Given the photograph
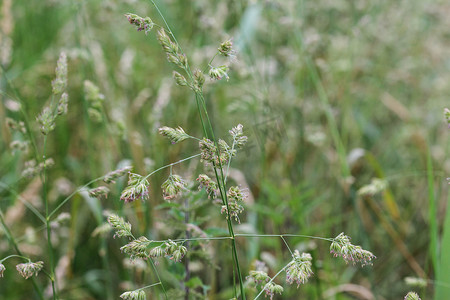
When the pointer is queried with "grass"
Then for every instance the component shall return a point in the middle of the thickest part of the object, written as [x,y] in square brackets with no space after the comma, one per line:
[313,84]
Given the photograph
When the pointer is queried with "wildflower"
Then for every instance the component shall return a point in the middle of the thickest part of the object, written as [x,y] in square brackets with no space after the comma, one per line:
[175,135]
[218,73]
[137,248]
[341,246]
[113,175]
[299,269]
[172,187]
[121,227]
[209,185]
[134,295]
[46,120]
[137,188]
[99,192]
[2,269]
[145,24]
[29,269]
[412,296]
[59,84]
[239,139]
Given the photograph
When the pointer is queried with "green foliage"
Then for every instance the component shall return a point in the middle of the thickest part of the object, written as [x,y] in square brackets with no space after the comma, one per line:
[331,94]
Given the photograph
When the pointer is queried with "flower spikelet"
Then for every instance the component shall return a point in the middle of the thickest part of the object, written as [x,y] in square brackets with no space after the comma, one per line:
[137,248]
[175,135]
[217,73]
[175,251]
[2,269]
[341,246]
[226,49]
[134,295]
[376,186]
[179,79]
[113,175]
[225,152]
[122,228]
[208,150]
[447,116]
[29,269]
[412,296]
[299,269]
[142,24]
[95,100]
[46,120]
[209,185]
[239,139]
[235,196]
[173,53]
[137,188]
[272,288]
[157,252]
[59,84]
[258,276]
[98,192]
[62,104]
[199,79]
[172,187]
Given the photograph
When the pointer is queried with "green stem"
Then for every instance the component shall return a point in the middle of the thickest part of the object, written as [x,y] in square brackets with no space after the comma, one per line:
[71,195]
[25,202]
[150,262]
[170,165]
[14,244]
[220,179]
[272,279]
[14,255]
[47,223]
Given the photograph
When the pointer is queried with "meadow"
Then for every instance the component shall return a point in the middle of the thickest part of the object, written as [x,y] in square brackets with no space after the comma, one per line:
[205,149]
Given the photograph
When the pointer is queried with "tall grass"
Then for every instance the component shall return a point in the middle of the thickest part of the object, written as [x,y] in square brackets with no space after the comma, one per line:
[330,95]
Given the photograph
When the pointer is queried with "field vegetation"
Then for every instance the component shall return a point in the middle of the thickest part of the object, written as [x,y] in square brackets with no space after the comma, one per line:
[204,149]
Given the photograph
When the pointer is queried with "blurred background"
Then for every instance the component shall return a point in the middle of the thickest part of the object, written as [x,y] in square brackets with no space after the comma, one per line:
[332,94]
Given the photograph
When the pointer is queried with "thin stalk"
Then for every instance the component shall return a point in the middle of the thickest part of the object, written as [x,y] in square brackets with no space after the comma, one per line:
[71,195]
[150,262]
[172,164]
[270,281]
[47,223]
[25,202]
[201,106]
[14,244]
[188,235]
[149,286]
